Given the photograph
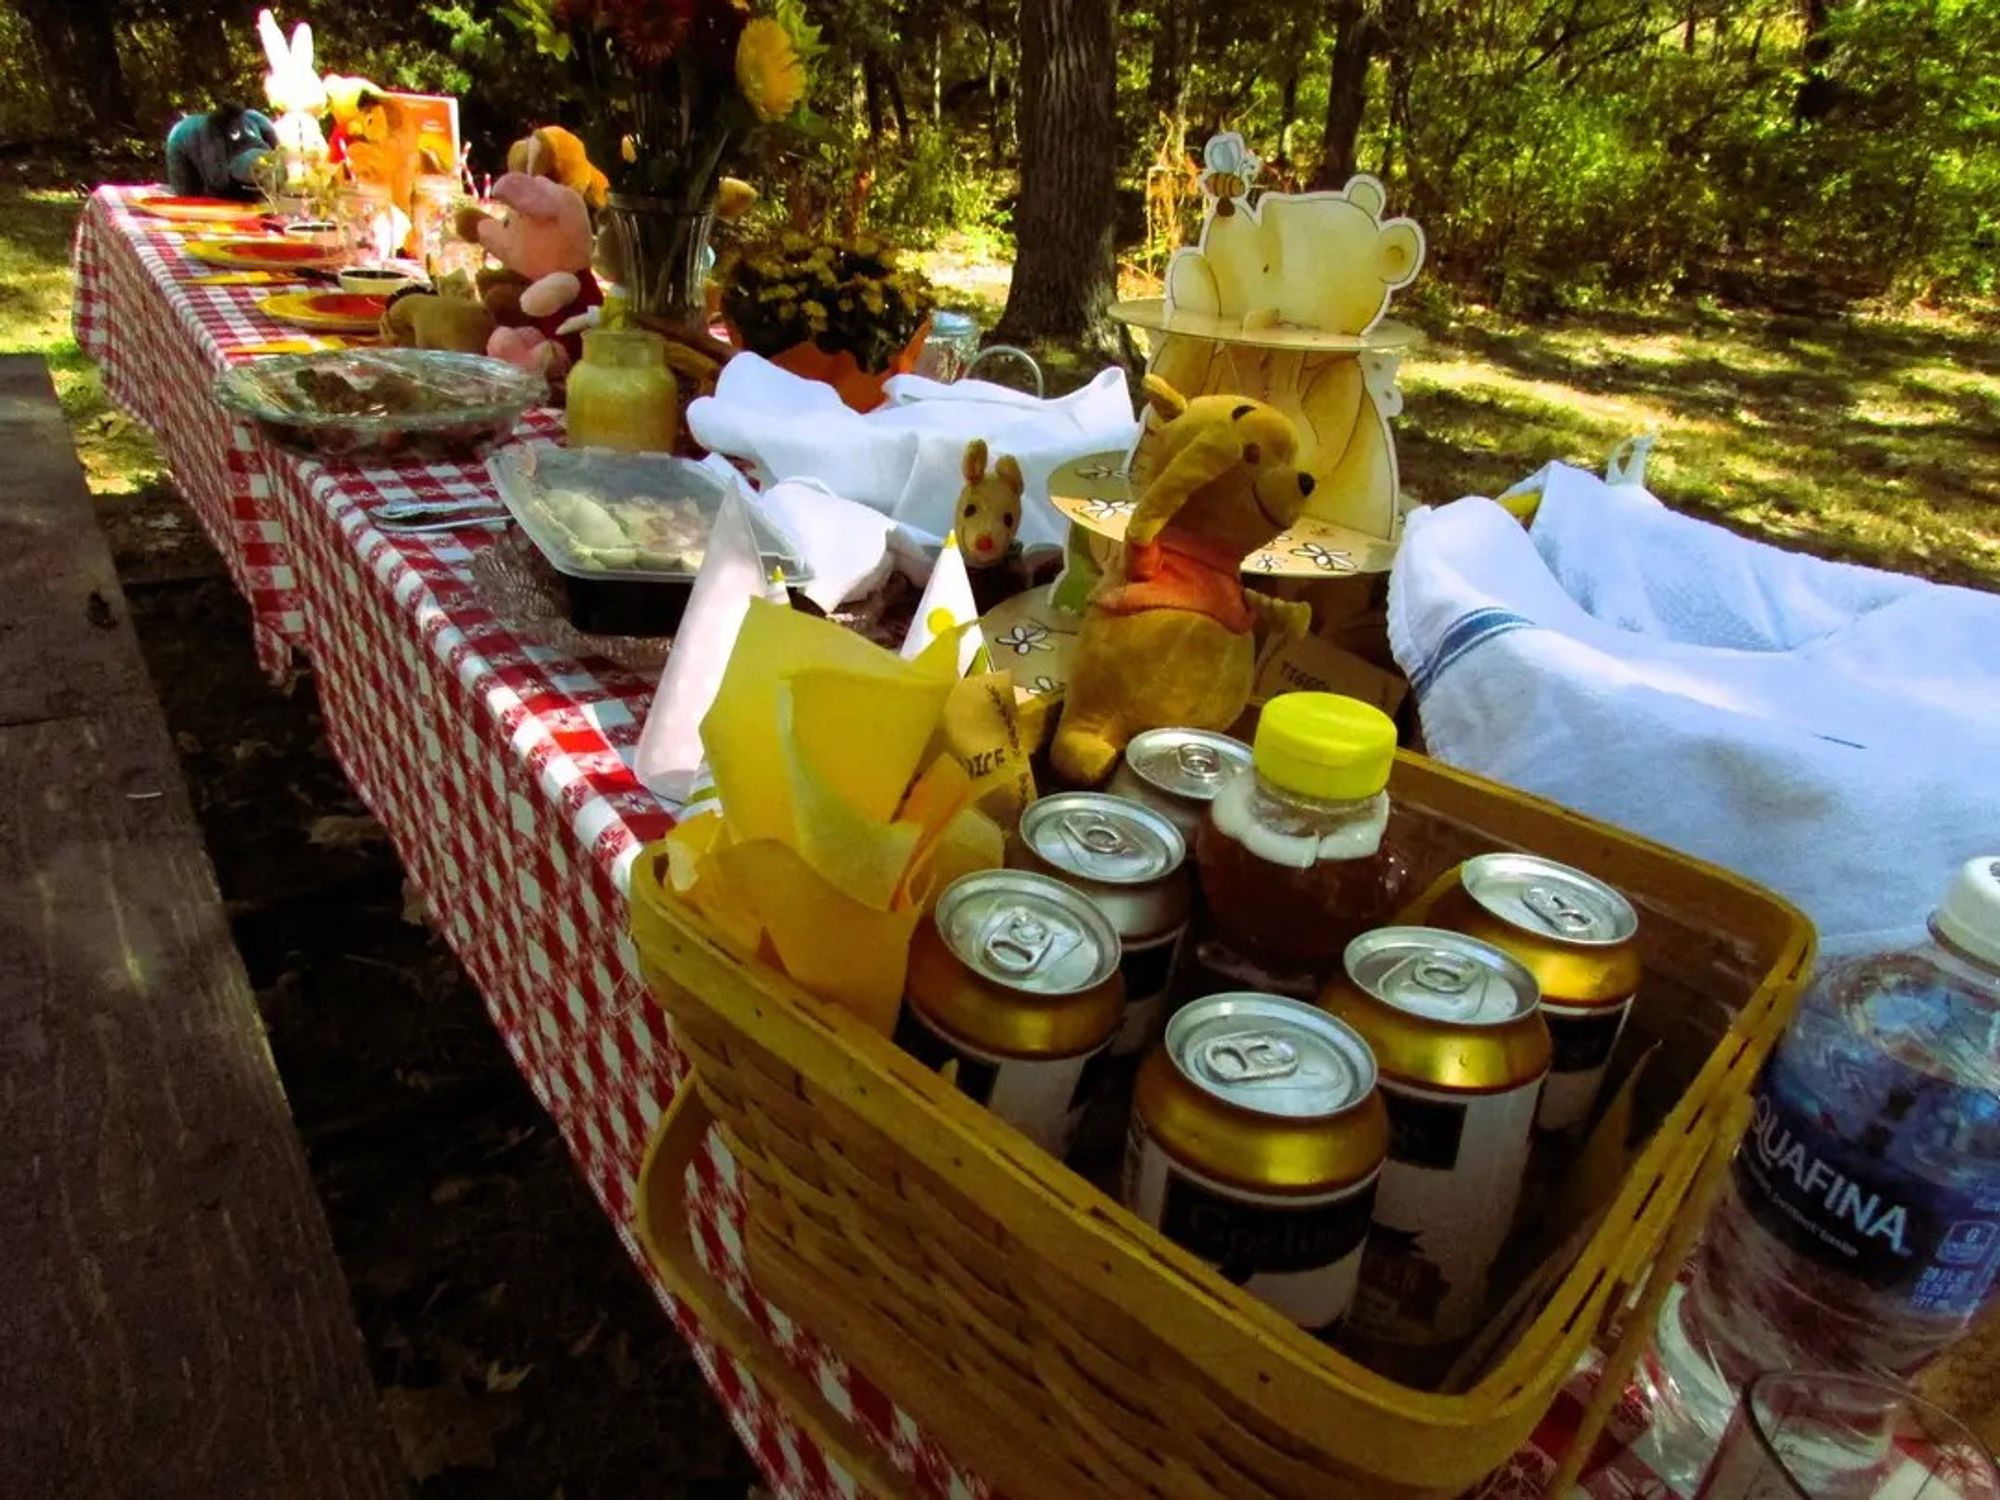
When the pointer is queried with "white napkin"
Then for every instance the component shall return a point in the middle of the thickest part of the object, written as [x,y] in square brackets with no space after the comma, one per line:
[732,574]
[848,548]
[947,604]
[1830,731]
[904,458]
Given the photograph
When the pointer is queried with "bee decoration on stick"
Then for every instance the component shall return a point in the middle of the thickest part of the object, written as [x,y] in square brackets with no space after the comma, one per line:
[1232,167]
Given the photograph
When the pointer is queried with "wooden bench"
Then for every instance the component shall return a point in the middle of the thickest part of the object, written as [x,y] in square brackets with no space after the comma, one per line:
[172,1318]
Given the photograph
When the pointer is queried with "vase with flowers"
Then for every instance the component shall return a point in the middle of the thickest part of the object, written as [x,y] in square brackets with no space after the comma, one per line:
[670,88]
[842,311]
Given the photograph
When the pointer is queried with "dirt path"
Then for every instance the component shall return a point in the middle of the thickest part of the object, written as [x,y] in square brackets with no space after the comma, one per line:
[518,1352]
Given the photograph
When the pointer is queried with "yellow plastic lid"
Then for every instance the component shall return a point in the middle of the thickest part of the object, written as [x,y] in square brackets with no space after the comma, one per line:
[1324,745]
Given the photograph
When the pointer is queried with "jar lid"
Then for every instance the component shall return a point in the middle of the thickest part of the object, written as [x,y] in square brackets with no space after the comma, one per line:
[1324,745]
[1969,916]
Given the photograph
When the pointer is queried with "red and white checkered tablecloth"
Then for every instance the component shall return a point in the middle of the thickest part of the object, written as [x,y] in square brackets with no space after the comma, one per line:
[500,766]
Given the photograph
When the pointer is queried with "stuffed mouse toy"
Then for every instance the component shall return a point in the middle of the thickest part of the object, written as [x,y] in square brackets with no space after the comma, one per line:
[1169,637]
[988,515]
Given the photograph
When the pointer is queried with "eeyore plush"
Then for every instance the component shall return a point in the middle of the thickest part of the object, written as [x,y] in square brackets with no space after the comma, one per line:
[215,155]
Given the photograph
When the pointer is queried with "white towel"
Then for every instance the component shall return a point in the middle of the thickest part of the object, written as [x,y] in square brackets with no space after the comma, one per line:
[905,458]
[1830,731]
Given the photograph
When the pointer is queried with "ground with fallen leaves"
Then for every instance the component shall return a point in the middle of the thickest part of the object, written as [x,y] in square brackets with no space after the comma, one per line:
[518,1353]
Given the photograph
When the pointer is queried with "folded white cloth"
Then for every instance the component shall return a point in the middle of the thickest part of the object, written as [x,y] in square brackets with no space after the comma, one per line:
[905,458]
[1830,731]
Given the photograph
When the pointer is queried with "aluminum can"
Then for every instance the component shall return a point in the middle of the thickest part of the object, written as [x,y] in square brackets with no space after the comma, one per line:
[1462,1052]
[1576,935]
[1132,863]
[1177,772]
[1013,992]
[1257,1141]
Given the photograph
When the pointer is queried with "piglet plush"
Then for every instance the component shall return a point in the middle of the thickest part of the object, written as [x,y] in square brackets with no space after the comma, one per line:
[545,240]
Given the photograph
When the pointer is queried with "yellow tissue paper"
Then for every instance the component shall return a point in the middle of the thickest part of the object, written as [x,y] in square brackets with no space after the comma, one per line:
[847,801]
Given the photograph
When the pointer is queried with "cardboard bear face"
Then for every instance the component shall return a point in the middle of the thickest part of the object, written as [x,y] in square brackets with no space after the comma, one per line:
[1326,261]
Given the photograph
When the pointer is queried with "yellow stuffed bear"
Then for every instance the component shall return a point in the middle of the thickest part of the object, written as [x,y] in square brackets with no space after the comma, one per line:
[1169,637]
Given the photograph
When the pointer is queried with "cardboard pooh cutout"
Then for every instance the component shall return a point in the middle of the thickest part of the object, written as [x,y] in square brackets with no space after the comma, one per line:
[1283,300]
[1170,635]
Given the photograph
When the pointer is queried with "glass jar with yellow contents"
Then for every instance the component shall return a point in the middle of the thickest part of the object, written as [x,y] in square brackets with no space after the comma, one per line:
[621,394]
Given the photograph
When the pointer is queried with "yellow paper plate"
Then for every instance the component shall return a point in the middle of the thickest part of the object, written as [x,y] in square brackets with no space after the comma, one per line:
[1154,316]
[339,312]
[1096,493]
[263,255]
[1029,637]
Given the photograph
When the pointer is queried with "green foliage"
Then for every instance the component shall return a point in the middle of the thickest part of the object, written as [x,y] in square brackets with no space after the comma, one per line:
[930,189]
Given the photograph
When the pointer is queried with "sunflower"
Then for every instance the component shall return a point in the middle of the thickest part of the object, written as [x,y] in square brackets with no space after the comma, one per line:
[769,70]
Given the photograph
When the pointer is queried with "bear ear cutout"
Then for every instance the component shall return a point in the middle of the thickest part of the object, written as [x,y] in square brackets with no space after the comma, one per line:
[1399,253]
[975,461]
[1242,411]
[1367,193]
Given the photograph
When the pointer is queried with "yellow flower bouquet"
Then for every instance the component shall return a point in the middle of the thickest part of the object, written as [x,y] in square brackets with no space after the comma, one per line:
[840,311]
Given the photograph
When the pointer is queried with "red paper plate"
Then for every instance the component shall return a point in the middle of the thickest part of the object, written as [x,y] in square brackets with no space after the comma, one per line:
[196,210]
[345,305]
[281,252]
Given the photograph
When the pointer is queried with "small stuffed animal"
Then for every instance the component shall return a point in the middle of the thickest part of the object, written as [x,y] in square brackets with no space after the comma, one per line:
[215,155]
[558,155]
[988,515]
[293,87]
[545,242]
[423,320]
[1168,638]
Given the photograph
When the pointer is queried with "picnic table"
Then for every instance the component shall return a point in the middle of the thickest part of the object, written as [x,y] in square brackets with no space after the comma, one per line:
[500,765]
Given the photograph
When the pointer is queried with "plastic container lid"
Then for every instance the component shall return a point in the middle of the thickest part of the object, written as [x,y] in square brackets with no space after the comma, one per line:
[1969,916]
[1324,745]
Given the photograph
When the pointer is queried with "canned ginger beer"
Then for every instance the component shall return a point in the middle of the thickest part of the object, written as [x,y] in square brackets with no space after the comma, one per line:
[1013,992]
[1256,1144]
[1132,864]
[1462,1052]
[1576,935]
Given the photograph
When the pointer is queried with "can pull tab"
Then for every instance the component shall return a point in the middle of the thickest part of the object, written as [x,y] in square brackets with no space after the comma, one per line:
[1017,942]
[1556,911]
[1200,761]
[1444,973]
[1248,1057]
[1094,836]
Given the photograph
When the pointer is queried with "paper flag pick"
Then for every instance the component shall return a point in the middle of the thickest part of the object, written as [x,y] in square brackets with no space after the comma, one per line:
[732,574]
[946,607]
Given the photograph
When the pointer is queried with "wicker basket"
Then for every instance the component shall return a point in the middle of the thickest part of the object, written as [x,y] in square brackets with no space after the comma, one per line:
[1058,1347]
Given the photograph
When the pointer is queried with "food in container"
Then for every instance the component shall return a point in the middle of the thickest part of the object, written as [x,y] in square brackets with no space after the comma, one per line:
[400,405]
[1457,1034]
[626,532]
[1257,1141]
[1014,992]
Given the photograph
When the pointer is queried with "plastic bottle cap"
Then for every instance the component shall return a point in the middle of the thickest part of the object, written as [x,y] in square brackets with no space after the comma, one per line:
[1969,916]
[1326,746]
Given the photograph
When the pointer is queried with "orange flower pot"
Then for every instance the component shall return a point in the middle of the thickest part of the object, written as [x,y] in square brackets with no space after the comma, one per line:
[862,391]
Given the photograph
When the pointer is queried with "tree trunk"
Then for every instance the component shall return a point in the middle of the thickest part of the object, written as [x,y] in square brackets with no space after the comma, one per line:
[871,90]
[1817,93]
[937,78]
[1064,270]
[1173,53]
[892,83]
[993,123]
[78,41]
[1355,35]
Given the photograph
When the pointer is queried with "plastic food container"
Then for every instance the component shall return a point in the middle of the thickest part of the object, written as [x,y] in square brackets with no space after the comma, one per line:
[398,405]
[626,531]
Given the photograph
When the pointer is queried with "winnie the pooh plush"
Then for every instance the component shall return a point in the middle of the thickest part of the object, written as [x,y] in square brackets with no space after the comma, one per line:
[545,242]
[558,155]
[1169,635]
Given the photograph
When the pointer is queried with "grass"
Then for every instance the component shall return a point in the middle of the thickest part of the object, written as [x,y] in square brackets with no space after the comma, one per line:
[1871,438]
[35,230]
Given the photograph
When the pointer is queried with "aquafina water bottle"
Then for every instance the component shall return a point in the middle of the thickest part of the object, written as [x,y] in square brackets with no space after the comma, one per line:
[1861,1228]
